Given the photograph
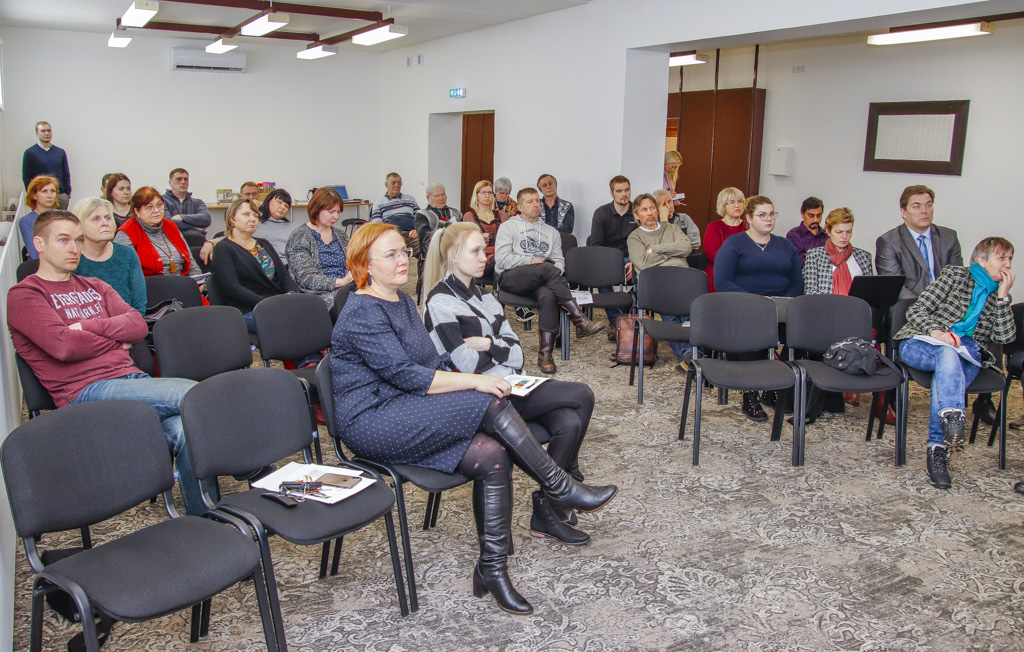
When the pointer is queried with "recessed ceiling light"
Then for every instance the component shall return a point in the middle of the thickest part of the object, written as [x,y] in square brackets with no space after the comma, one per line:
[265,24]
[222,45]
[140,13]
[381,34]
[317,52]
[119,39]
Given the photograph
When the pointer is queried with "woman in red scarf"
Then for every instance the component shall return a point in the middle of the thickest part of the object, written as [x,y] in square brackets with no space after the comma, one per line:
[832,268]
[157,241]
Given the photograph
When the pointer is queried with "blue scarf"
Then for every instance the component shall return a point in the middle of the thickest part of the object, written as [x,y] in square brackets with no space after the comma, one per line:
[983,286]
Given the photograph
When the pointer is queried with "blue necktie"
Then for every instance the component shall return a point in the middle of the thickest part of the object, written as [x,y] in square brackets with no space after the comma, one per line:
[924,252]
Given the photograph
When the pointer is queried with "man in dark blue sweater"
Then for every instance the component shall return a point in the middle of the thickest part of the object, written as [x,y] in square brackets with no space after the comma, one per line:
[45,158]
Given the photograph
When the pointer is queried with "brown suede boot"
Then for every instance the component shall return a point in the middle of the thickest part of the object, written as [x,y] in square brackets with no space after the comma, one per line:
[544,359]
[584,326]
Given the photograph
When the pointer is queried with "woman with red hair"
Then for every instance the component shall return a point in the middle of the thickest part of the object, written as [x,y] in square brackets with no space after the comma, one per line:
[41,196]
[395,403]
[158,242]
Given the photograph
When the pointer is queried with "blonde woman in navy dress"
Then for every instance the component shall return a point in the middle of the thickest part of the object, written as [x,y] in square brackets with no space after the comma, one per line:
[394,403]
[469,325]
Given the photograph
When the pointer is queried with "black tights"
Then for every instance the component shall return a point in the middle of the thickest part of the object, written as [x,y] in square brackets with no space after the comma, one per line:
[484,455]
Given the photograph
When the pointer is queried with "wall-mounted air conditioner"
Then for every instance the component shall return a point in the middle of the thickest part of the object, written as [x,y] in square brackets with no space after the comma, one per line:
[201,61]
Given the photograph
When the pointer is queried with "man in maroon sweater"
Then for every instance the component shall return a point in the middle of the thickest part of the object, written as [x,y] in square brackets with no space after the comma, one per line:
[75,332]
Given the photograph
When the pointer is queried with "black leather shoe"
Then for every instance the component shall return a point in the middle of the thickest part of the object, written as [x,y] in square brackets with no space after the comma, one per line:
[953,424]
[938,467]
[752,407]
[985,410]
[546,523]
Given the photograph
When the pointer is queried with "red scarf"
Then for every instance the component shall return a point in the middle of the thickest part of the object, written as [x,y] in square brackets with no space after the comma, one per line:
[841,279]
[152,263]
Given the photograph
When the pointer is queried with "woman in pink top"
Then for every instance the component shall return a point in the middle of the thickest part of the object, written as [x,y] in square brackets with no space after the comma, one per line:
[730,207]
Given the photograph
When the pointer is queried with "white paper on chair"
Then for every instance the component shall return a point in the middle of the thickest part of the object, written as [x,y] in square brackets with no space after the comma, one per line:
[961,350]
[295,472]
[582,297]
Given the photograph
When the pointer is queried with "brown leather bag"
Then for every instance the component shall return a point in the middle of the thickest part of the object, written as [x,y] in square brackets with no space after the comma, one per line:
[624,328]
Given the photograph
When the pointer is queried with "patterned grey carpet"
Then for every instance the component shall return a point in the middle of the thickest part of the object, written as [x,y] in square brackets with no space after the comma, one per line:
[744,552]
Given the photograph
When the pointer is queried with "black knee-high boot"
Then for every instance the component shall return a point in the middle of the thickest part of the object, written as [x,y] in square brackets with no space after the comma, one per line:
[492,509]
[559,487]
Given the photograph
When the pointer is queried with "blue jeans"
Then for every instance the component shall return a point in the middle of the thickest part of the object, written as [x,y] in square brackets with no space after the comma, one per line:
[679,348]
[165,395]
[951,375]
[250,322]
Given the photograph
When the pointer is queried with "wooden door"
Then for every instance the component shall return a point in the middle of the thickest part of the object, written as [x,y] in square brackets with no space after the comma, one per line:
[477,153]
[737,156]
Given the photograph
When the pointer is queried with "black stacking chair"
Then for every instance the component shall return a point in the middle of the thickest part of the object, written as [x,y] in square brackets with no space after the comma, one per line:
[172,286]
[988,381]
[429,480]
[816,321]
[520,301]
[195,254]
[1013,353]
[734,323]
[152,572]
[213,295]
[247,419]
[291,327]
[197,343]
[568,241]
[37,398]
[340,297]
[194,238]
[668,291]
[26,269]
[593,267]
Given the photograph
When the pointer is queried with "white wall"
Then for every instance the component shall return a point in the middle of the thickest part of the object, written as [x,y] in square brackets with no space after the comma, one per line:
[298,123]
[557,84]
[444,164]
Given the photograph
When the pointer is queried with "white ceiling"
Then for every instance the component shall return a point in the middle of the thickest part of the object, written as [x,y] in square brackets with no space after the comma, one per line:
[426,19]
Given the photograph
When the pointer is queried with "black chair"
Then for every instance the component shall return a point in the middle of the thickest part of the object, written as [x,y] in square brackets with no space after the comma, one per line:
[734,323]
[595,267]
[37,398]
[988,381]
[172,286]
[228,436]
[26,269]
[816,321]
[698,261]
[568,241]
[194,238]
[1013,353]
[199,260]
[152,572]
[291,327]
[197,343]
[529,303]
[340,297]
[429,480]
[213,294]
[668,291]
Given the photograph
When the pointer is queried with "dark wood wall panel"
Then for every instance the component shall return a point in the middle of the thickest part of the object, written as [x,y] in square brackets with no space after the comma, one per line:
[477,153]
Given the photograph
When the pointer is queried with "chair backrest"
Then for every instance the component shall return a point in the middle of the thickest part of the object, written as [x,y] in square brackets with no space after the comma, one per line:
[37,398]
[568,241]
[1018,320]
[292,326]
[213,295]
[340,298]
[815,321]
[594,267]
[325,390]
[26,269]
[195,254]
[172,286]
[670,290]
[194,238]
[76,466]
[733,322]
[242,420]
[197,343]
[142,357]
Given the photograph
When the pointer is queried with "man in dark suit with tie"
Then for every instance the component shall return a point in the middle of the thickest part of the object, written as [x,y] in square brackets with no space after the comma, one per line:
[919,250]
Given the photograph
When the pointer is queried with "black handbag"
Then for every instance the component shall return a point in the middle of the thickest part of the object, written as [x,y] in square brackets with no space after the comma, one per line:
[855,356]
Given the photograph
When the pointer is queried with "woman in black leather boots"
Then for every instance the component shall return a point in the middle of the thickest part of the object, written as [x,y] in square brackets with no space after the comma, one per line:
[469,325]
[393,404]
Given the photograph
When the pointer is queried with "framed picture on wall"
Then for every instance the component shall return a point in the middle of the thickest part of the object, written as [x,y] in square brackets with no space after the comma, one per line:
[917,137]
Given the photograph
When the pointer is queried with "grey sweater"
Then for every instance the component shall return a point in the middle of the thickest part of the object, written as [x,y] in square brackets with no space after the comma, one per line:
[304,263]
[518,242]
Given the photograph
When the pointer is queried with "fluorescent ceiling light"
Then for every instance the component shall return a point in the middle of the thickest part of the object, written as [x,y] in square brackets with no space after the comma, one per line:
[222,45]
[119,39]
[265,24]
[381,34]
[140,13]
[317,52]
[931,34]
[687,59]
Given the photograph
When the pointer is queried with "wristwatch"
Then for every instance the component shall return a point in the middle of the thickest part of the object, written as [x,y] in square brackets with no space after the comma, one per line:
[1006,299]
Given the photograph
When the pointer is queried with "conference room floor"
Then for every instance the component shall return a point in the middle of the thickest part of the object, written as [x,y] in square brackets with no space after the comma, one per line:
[744,552]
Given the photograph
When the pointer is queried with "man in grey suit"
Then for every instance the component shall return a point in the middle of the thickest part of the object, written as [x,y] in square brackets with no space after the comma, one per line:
[919,250]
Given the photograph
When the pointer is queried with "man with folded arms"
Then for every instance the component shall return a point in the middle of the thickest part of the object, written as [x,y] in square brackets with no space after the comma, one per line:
[75,332]
[187,212]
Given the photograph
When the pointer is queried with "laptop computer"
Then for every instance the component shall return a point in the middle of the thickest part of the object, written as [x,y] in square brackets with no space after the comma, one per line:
[878,291]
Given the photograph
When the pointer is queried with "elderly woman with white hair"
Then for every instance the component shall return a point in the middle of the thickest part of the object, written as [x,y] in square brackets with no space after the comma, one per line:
[436,213]
[102,258]
[505,204]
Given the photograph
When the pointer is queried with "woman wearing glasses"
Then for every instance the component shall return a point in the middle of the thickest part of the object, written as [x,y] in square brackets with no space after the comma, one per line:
[730,207]
[394,404]
[758,263]
[482,211]
[316,250]
[157,241]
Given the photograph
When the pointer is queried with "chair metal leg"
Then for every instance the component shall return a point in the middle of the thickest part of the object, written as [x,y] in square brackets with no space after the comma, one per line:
[204,626]
[36,635]
[875,396]
[563,322]
[86,538]
[638,334]
[1002,429]
[974,427]
[336,560]
[902,410]
[270,581]
[193,636]
[325,554]
[632,363]
[696,418]
[431,497]
[436,511]
[799,425]
[403,528]
[780,413]
[686,403]
[396,566]
[266,614]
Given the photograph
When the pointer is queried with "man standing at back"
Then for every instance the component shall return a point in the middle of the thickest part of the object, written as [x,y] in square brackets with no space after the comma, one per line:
[555,211]
[45,158]
[808,234]
[397,208]
[187,212]
[610,227]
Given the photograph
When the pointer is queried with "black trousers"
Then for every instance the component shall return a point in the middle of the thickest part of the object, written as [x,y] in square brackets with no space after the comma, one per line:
[544,283]
[564,409]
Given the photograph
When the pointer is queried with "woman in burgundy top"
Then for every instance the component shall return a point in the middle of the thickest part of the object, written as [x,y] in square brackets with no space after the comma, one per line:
[482,211]
[730,207]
